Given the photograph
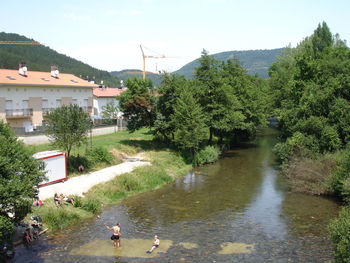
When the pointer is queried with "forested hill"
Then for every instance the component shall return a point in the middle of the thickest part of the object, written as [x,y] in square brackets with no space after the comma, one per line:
[40,58]
[136,73]
[254,61]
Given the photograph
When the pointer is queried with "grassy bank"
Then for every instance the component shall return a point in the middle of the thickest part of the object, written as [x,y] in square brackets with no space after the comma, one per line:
[166,165]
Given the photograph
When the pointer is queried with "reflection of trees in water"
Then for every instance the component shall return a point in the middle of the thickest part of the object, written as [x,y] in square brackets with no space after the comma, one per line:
[230,183]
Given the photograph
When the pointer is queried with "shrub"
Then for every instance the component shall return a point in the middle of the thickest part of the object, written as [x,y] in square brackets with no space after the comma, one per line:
[340,235]
[100,155]
[209,154]
[6,229]
[304,145]
[91,205]
[58,218]
[340,181]
[75,161]
[78,201]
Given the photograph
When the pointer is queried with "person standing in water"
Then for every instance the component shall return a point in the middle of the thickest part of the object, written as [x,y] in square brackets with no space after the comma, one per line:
[116,234]
[155,244]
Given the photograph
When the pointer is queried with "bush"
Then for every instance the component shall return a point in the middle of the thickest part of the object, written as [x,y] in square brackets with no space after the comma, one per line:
[340,235]
[91,205]
[305,146]
[75,161]
[209,154]
[6,229]
[100,155]
[58,218]
[340,181]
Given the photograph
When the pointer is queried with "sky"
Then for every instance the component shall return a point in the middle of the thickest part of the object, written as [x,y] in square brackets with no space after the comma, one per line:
[107,34]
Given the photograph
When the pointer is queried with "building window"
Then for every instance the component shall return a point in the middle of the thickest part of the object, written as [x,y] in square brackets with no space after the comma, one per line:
[9,105]
[58,103]
[25,104]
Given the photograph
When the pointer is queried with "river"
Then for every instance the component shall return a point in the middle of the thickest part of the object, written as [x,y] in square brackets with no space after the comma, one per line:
[236,210]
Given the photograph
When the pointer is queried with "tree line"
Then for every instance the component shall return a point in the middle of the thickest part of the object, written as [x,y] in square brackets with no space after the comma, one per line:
[221,106]
[310,87]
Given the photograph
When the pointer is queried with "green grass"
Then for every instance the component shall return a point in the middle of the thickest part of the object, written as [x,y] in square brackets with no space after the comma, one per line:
[166,165]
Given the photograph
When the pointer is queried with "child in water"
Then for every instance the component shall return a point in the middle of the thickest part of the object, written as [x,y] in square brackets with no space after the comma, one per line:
[155,245]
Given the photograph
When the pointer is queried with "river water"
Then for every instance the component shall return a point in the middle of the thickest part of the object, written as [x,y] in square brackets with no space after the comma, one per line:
[236,210]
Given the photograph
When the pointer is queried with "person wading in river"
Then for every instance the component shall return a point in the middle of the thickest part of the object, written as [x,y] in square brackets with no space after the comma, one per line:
[116,234]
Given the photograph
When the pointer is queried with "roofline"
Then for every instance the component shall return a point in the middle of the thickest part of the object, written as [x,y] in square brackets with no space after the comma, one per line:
[43,85]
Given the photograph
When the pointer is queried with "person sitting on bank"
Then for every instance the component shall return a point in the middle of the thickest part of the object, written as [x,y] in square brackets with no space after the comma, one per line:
[116,234]
[155,244]
[69,200]
[57,200]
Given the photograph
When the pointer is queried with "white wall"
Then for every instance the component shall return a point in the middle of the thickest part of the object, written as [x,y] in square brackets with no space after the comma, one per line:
[100,102]
[51,94]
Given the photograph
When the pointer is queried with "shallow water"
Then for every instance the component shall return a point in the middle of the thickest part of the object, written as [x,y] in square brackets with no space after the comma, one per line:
[236,210]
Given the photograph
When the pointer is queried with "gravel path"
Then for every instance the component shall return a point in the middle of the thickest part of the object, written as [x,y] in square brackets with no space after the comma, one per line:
[81,184]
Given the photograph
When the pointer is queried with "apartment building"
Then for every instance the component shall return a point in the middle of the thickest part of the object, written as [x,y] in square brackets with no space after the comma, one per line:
[26,97]
[103,96]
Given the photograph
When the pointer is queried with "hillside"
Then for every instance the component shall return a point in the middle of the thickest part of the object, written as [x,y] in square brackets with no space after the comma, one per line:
[254,61]
[40,58]
[136,73]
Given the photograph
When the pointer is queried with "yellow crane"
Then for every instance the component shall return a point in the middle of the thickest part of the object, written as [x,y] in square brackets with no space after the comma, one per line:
[19,43]
[149,56]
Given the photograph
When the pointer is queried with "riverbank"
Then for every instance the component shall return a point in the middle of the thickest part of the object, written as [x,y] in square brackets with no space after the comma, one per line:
[165,166]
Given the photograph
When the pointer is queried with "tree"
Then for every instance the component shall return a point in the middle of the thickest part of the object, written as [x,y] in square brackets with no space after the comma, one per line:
[19,172]
[67,126]
[169,91]
[111,111]
[189,122]
[138,104]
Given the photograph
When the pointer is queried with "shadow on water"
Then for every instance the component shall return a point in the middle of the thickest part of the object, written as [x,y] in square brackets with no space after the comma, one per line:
[236,210]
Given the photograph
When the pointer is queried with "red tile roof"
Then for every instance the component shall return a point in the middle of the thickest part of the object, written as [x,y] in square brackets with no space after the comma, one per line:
[107,92]
[38,78]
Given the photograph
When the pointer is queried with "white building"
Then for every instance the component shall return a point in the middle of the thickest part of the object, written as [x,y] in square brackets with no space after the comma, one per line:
[104,96]
[27,96]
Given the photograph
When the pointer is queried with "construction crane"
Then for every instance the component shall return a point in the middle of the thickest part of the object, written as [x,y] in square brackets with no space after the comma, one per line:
[149,56]
[19,43]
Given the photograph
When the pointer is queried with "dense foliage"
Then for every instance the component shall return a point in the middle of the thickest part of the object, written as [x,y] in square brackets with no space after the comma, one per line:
[311,92]
[222,105]
[67,126]
[41,58]
[311,87]
[19,172]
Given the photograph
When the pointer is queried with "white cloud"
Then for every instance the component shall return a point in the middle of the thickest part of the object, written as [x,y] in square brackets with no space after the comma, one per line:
[76,17]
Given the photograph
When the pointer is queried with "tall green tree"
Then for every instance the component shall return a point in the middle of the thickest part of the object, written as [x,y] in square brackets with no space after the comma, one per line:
[111,112]
[189,122]
[169,91]
[138,104]
[313,102]
[68,126]
[19,172]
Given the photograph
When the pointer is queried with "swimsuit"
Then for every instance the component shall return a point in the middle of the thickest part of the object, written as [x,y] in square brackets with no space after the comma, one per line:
[114,237]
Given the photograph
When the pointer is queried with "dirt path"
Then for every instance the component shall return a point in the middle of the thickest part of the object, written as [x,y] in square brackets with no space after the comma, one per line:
[81,184]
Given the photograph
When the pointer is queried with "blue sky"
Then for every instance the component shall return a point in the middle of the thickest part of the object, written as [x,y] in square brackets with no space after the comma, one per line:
[106,34]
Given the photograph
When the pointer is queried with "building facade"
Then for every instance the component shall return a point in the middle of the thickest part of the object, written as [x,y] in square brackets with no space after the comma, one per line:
[26,99]
[104,96]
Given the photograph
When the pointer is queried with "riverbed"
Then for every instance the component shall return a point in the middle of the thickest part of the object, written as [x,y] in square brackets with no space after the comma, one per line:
[236,210]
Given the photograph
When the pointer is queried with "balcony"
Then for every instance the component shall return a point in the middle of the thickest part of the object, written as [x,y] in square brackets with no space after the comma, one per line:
[18,113]
[46,111]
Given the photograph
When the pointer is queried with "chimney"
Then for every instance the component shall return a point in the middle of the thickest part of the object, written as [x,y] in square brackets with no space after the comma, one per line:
[22,69]
[54,71]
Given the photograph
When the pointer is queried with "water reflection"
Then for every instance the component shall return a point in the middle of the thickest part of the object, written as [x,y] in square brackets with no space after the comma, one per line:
[265,210]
